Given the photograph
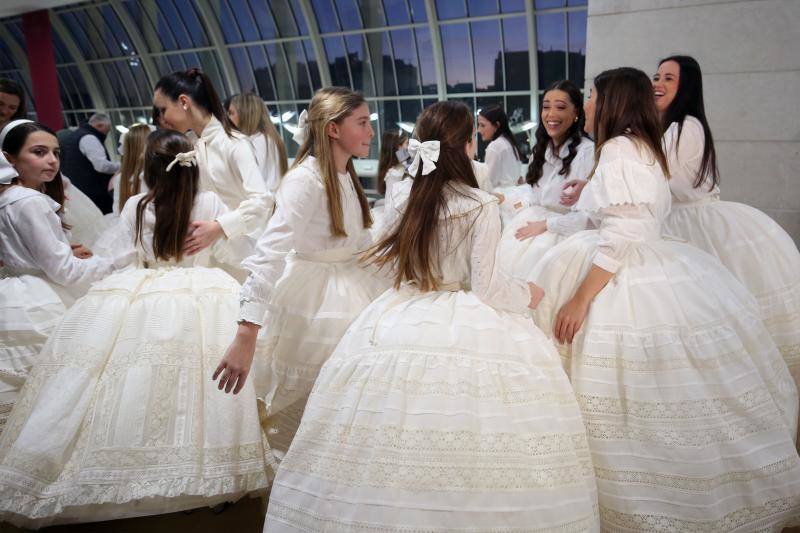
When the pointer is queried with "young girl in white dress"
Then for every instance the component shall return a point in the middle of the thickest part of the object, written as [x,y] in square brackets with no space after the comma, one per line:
[120,417]
[305,286]
[750,244]
[39,277]
[689,408]
[391,171]
[443,408]
[562,153]
[502,154]
[249,114]
[228,166]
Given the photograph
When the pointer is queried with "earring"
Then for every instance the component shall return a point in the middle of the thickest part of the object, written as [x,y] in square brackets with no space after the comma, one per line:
[185,108]
[576,119]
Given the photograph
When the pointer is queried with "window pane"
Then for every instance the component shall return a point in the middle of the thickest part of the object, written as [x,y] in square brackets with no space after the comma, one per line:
[389,115]
[65,90]
[396,12]
[486,44]
[410,110]
[241,11]
[482,7]
[179,29]
[262,72]
[551,39]
[244,71]
[512,6]
[458,67]
[6,59]
[360,68]
[313,66]
[405,62]
[284,81]
[263,18]
[337,61]
[348,14]
[287,18]
[577,2]
[230,29]
[296,57]
[326,16]
[383,63]
[372,13]
[548,4]
[450,9]
[62,54]
[427,68]
[515,40]
[80,85]
[418,13]
[302,27]
[518,109]
[82,40]
[577,46]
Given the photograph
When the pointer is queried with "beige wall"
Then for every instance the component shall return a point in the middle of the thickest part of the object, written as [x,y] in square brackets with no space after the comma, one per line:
[749,51]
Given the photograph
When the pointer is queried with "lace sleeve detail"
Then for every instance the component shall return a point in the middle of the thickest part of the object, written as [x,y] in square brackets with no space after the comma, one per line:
[488,282]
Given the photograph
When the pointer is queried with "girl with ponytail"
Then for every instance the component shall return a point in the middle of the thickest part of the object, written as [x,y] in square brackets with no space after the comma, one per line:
[122,395]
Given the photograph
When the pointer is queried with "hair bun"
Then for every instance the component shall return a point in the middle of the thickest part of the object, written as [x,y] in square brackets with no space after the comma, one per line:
[194,72]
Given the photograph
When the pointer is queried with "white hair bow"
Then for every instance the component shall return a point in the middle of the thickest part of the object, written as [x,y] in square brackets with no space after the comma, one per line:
[184,159]
[427,152]
[7,171]
[301,134]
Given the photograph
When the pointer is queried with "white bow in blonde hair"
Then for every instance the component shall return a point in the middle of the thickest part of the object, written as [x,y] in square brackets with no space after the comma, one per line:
[301,134]
[427,152]
[184,159]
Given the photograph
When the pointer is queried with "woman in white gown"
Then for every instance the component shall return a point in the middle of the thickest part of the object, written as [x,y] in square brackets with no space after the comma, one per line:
[250,115]
[750,244]
[689,408]
[40,277]
[563,153]
[502,154]
[120,417]
[305,286]
[187,100]
[443,407]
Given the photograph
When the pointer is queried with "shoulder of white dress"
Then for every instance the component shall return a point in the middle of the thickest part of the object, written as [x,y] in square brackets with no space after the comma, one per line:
[24,197]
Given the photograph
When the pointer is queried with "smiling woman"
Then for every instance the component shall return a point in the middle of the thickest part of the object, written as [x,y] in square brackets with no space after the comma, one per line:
[12,102]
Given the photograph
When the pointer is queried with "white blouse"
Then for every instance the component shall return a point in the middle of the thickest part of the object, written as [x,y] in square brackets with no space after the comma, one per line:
[504,168]
[469,233]
[547,191]
[228,167]
[207,206]
[301,223]
[267,156]
[684,160]
[32,241]
[628,199]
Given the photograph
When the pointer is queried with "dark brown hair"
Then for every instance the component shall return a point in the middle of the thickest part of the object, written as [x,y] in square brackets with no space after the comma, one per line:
[390,143]
[11,87]
[195,84]
[574,135]
[689,101]
[333,104]
[133,147]
[625,106]
[171,192]
[412,246]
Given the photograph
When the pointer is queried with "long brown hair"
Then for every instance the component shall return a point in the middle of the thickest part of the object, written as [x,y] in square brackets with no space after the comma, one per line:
[254,118]
[13,144]
[625,106]
[412,247]
[195,84]
[133,147]
[171,192]
[390,143]
[332,104]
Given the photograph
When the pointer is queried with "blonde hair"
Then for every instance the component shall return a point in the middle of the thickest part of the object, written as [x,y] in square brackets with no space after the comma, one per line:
[133,148]
[332,104]
[254,118]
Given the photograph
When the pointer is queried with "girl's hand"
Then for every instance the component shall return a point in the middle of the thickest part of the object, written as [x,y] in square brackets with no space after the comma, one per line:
[570,319]
[537,293]
[571,191]
[531,230]
[235,365]
[500,197]
[80,251]
[202,234]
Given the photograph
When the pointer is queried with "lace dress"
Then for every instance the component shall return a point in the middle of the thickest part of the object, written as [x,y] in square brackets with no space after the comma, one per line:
[120,417]
[442,411]
[689,407]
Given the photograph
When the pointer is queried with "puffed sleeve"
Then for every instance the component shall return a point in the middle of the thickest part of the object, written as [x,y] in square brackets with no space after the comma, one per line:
[621,195]
[298,198]
[48,246]
[251,213]
[684,152]
[488,282]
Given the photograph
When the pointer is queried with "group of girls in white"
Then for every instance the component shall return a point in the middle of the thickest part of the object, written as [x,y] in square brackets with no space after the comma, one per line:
[619,357]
